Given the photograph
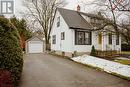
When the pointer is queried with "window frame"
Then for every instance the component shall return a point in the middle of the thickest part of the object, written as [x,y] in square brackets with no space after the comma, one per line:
[58,21]
[84,43]
[117,39]
[62,35]
[54,39]
[110,38]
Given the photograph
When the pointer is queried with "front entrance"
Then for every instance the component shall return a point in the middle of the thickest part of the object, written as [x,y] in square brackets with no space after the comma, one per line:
[100,41]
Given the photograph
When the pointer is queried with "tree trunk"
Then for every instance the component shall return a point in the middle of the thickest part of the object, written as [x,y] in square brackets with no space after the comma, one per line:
[47,45]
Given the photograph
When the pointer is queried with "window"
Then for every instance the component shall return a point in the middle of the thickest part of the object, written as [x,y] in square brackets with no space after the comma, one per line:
[82,38]
[100,38]
[87,38]
[110,38]
[63,36]
[117,39]
[58,21]
[54,39]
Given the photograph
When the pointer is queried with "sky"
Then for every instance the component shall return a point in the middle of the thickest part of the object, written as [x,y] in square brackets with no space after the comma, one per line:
[72,4]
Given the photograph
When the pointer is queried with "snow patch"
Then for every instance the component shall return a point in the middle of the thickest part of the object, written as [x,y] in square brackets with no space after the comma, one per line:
[106,65]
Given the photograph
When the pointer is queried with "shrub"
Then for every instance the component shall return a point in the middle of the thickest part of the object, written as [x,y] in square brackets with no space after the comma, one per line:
[75,53]
[93,51]
[5,78]
[11,57]
[125,47]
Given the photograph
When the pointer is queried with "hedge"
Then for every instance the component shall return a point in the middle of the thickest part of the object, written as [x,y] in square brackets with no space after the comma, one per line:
[125,47]
[93,51]
[5,78]
[11,57]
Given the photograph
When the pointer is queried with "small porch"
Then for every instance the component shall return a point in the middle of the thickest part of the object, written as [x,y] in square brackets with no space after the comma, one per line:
[107,42]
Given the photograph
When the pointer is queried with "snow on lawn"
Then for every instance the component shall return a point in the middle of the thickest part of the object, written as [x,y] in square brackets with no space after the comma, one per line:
[106,65]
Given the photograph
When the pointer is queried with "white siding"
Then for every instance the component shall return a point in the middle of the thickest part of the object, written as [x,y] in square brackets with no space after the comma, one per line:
[95,41]
[61,45]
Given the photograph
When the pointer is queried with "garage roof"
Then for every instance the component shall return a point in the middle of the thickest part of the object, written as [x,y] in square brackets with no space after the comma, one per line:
[38,38]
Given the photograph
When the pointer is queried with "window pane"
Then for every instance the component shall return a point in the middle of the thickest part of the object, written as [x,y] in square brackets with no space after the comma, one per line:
[81,38]
[58,21]
[62,36]
[87,41]
[87,38]
[117,39]
[110,38]
[86,35]
[54,39]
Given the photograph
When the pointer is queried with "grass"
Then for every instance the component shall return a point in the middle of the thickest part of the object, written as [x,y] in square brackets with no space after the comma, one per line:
[125,52]
[126,62]
[59,55]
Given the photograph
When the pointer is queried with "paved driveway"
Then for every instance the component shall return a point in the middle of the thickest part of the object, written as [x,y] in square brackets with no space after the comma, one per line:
[43,70]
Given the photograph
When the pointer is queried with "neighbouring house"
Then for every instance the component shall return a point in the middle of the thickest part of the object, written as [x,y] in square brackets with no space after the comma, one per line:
[72,32]
[36,44]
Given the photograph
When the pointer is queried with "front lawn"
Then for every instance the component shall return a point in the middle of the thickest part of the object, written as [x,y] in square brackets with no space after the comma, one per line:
[126,62]
[125,52]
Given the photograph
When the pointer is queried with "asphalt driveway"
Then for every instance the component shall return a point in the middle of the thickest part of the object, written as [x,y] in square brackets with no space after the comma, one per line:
[43,70]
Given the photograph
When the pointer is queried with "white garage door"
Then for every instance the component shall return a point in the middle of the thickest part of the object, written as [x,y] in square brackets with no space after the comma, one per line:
[35,47]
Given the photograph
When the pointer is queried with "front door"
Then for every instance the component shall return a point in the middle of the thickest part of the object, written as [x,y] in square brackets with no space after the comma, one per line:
[100,41]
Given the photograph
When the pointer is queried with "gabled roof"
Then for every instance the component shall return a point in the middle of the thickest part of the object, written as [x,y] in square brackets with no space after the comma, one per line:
[40,38]
[74,19]
[99,17]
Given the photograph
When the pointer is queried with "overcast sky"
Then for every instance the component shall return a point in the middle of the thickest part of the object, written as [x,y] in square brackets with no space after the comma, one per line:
[72,4]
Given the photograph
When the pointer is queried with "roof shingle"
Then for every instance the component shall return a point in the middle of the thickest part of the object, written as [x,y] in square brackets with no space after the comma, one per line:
[74,19]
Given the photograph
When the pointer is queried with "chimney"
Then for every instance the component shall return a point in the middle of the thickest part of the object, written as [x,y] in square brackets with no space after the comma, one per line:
[78,8]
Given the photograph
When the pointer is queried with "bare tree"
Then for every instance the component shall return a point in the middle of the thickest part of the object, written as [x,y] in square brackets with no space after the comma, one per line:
[115,7]
[121,5]
[41,13]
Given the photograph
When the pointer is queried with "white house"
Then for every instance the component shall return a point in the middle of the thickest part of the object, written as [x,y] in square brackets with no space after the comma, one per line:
[72,31]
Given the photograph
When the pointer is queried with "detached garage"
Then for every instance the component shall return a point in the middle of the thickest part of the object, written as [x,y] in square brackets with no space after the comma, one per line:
[35,45]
